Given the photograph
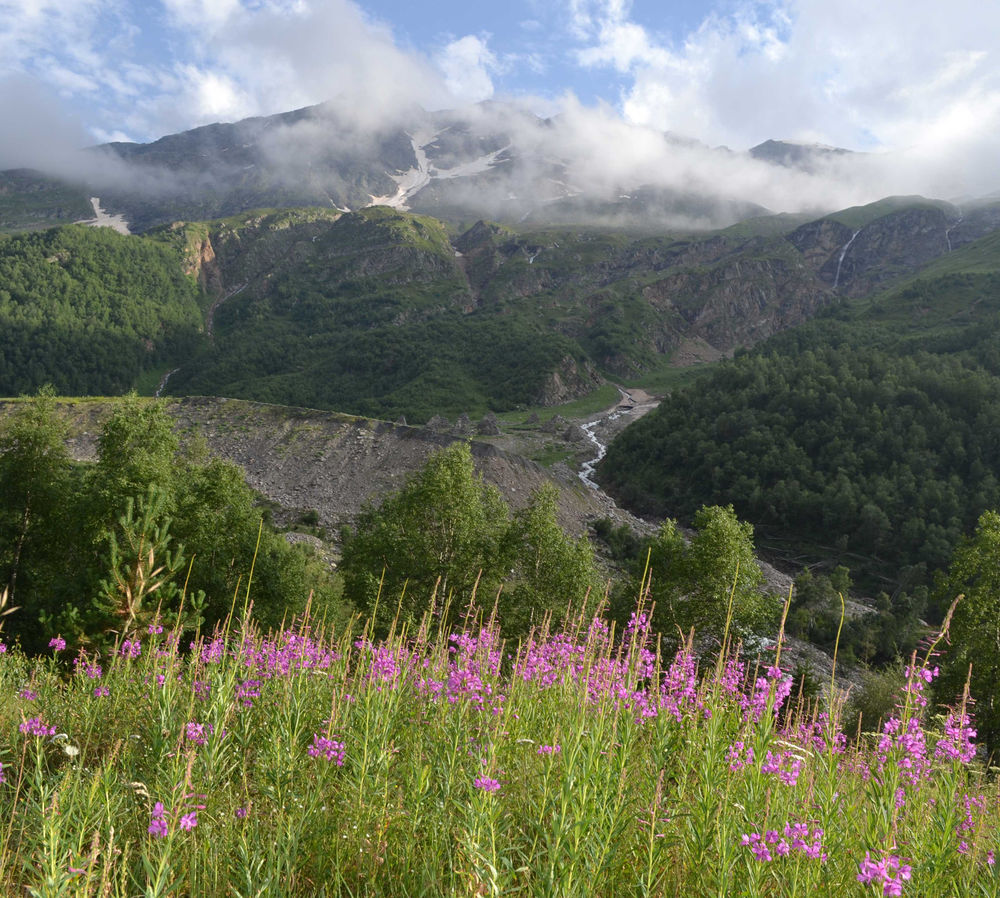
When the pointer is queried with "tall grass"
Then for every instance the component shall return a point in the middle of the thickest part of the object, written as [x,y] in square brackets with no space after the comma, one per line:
[307,762]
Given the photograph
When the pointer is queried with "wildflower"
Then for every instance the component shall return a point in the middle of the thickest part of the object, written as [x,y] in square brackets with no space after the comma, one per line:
[549,749]
[991,858]
[3,648]
[101,692]
[57,643]
[130,648]
[487,784]
[3,779]
[891,872]
[29,695]
[784,765]
[241,813]
[158,821]
[957,743]
[739,755]
[155,628]
[329,749]
[36,727]
[196,732]
[189,821]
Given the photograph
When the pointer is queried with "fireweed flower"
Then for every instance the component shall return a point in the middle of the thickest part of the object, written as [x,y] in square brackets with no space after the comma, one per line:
[189,821]
[158,821]
[130,648]
[57,643]
[890,873]
[739,755]
[198,733]
[329,749]
[486,784]
[29,695]
[549,749]
[36,727]
[101,692]
[957,744]
[797,838]
[784,765]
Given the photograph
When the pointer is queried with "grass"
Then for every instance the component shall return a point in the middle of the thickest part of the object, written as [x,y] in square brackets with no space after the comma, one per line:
[309,762]
[600,399]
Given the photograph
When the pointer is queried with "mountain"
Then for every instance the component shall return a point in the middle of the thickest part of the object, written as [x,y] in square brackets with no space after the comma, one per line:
[384,312]
[866,436]
[493,160]
[808,157]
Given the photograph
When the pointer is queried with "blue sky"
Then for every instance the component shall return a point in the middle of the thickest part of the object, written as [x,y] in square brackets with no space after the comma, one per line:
[875,75]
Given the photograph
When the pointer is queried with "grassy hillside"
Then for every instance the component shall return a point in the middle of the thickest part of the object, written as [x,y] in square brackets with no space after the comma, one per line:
[308,762]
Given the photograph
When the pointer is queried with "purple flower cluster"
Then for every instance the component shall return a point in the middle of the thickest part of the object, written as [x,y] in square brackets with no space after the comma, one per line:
[755,704]
[957,745]
[907,745]
[130,648]
[486,784]
[549,749]
[889,872]
[797,838]
[159,825]
[247,691]
[158,821]
[57,643]
[783,764]
[916,679]
[35,726]
[198,733]
[739,755]
[329,749]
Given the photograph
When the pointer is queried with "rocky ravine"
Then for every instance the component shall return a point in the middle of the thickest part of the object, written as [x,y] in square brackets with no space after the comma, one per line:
[302,459]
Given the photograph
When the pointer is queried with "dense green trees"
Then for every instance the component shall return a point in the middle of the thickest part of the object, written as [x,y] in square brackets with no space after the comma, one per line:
[446,530]
[88,310]
[92,551]
[973,652]
[834,448]
[690,582]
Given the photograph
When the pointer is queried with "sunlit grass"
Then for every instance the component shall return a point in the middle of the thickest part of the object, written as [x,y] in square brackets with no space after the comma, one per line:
[309,762]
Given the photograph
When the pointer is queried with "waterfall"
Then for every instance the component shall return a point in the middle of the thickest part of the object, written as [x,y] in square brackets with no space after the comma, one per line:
[947,232]
[843,252]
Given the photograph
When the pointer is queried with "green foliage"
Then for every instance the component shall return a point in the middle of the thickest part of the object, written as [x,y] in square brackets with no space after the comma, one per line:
[839,437]
[551,572]
[446,533]
[34,474]
[693,582]
[428,543]
[88,310]
[974,653]
[142,567]
[96,551]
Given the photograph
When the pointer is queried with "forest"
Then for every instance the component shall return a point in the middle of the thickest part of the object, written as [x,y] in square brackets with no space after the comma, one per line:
[862,437]
[88,310]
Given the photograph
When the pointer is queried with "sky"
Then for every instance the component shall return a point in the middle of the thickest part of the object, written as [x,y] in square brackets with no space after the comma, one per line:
[914,77]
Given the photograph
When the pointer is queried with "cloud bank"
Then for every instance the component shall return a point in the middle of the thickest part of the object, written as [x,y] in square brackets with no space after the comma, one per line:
[914,85]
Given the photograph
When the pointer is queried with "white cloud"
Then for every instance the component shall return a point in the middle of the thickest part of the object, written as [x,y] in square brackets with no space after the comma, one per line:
[854,72]
[466,64]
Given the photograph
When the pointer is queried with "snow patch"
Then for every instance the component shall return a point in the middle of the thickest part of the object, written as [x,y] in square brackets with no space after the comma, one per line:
[102,219]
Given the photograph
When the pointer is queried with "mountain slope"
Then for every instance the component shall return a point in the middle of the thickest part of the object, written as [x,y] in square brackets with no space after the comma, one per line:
[870,432]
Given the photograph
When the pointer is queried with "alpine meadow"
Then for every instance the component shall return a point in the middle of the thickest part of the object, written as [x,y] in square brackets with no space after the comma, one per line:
[538,450]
